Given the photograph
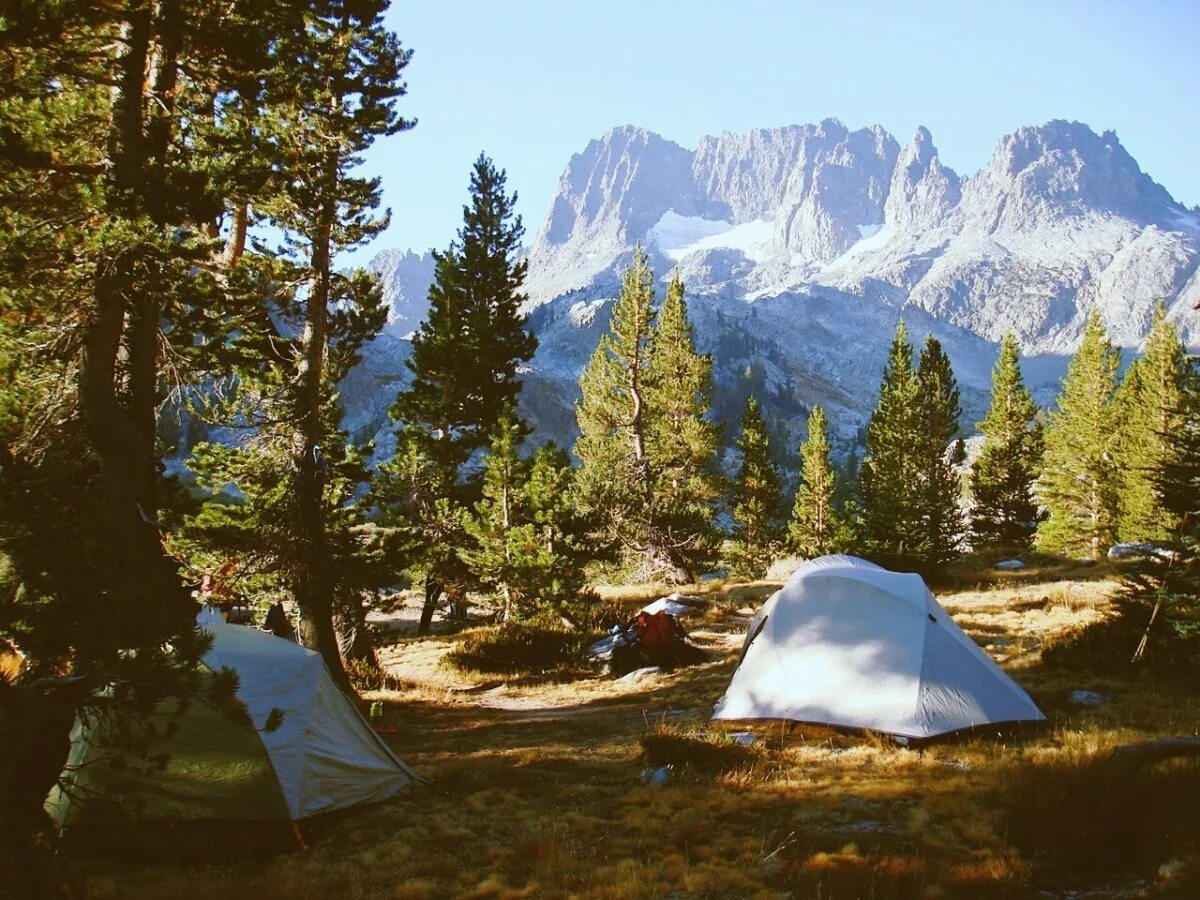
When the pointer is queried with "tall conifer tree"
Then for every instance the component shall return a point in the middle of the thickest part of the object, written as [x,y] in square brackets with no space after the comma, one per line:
[939,491]
[466,352]
[816,527]
[464,361]
[681,437]
[890,523]
[1002,479]
[1079,482]
[329,94]
[619,480]
[118,149]
[754,498]
[1149,408]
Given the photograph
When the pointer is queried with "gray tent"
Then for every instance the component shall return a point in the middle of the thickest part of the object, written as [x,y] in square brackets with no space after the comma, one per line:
[323,757]
[847,643]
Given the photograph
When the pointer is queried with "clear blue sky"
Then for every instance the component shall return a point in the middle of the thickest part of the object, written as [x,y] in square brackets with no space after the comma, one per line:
[532,81]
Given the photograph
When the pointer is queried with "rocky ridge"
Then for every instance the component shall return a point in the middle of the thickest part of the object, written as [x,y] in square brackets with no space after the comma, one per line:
[801,246]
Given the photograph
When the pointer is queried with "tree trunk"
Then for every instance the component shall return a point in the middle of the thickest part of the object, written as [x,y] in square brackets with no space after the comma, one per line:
[235,244]
[36,729]
[314,581]
[357,647]
[119,402]
[433,590]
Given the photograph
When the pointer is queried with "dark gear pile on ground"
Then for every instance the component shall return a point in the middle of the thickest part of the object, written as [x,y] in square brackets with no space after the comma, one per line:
[648,639]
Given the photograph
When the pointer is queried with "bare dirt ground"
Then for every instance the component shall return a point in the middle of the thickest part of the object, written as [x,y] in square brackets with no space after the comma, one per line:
[538,785]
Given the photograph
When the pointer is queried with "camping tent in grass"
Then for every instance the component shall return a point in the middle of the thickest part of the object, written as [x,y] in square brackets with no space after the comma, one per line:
[847,643]
[323,757]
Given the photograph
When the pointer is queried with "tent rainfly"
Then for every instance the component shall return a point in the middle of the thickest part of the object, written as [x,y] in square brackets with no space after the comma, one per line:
[845,642]
[323,757]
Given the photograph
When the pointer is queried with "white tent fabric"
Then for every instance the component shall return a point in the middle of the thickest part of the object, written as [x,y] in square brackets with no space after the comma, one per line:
[325,755]
[845,642]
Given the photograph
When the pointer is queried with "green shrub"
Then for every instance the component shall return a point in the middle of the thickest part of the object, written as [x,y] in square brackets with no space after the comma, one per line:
[703,752]
[516,648]
[1086,818]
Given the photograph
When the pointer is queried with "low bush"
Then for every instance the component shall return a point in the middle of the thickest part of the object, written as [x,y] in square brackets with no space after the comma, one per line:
[518,648]
[1108,645]
[1083,817]
[702,752]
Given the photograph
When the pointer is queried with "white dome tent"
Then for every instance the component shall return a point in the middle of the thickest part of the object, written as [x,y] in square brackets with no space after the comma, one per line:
[847,643]
[322,757]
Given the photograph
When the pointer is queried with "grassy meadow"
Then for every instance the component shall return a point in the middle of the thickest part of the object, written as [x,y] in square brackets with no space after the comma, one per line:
[537,783]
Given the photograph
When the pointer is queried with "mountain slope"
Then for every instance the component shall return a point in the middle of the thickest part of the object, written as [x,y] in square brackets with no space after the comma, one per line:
[801,246]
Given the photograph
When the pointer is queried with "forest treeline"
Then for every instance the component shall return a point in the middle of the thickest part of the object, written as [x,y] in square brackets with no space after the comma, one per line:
[177,181]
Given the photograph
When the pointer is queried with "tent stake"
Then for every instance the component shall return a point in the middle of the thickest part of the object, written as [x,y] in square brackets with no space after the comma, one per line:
[299,837]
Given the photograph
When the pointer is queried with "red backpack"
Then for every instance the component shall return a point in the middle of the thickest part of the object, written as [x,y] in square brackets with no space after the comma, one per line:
[657,631]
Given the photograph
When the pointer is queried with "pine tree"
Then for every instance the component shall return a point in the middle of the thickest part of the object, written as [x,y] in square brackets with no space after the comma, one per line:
[528,544]
[119,149]
[499,513]
[1079,482]
[939,488]
[465,358]
[563,534]
[754,499]
[329,94]
[681,438]
[889,521]
[1148,407]
[416,494]
[1005,513]
[816,528]
[466,353]
[616,483]
[1171,592]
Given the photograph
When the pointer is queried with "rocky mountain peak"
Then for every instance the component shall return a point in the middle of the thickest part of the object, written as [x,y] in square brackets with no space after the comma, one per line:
[1037,175]
[923,191]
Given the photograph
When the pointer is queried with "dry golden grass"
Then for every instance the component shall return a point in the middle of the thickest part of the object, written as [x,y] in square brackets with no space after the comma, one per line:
[537,791]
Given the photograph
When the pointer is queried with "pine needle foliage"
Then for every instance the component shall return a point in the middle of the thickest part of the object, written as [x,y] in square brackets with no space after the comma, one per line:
[466,352]
[646,445]
[816,526]
[890,514]
[909,486]
[941,518]
[464,366]
[1149,409]
[1005,513]
[1079,483]
[754,499]
[528,545]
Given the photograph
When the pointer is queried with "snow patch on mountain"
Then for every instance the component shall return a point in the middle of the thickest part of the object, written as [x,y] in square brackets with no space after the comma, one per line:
[874,237]
[678,237]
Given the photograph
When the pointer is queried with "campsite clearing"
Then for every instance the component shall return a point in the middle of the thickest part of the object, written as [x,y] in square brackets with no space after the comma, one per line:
[538,785]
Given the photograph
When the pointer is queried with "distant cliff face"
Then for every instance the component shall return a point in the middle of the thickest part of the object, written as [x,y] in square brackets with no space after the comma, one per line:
[801,246]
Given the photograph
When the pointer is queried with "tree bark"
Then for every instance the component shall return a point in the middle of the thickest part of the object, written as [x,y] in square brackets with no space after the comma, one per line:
[35,724]
[354,640]
[433,590]
[118,403]
[235,244]
[314,582]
